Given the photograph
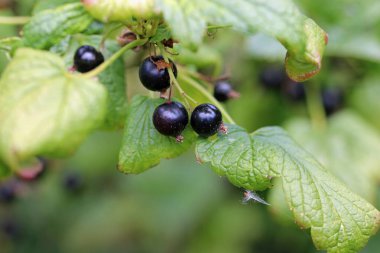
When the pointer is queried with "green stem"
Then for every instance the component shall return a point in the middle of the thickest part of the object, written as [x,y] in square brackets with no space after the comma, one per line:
[173,78]
[114,57]
[14,20]
[315,107]
[201,89]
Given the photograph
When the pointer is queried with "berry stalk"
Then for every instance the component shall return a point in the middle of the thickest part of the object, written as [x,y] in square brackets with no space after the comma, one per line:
[227,118]
[114,57]
[14,20]
[315,107]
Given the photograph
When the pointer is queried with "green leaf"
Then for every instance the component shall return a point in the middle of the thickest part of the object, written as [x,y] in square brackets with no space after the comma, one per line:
[340,220]
[49,27]
[4,171]
[116,10]
[45,110]
[10,44]
[162,33]
[365,98]
[113,78]
[143,146]
[349,148]
[42,5]
[304,40]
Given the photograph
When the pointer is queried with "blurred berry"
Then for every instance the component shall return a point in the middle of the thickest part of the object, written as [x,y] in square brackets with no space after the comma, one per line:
[332,99]
[272,77]
[73,182]
[295,91]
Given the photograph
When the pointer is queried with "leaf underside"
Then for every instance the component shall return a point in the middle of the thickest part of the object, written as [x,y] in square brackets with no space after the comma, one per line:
[340,221]
[304,40]
[143,146]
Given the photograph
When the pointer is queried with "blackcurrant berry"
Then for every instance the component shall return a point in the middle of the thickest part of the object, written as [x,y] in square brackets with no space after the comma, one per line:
[332,99]
[154,74]
[272,77]
[73,182]
[170,119]
[206,120]
[87,58]
[8,192]
[224,91]
[295,91]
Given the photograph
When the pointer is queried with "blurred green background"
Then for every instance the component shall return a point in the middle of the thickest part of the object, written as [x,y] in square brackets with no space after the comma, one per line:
[83,204]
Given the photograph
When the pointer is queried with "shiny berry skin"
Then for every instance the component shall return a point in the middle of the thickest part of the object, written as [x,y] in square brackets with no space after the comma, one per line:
[206,120]
[222,91]
[170,119]
[154,75]
[87,58]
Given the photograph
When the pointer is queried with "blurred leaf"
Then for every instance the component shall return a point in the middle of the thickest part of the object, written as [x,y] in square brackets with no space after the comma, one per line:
[340,220]
[143,146]
[49,27]
[359,45]
[45,110]
[349,148]
[116,10]
[4,171]
[304,40]
[42,5]
[365,99]
[10,44]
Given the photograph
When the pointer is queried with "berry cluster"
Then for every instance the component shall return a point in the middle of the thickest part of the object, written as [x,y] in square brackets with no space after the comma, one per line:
[171,117]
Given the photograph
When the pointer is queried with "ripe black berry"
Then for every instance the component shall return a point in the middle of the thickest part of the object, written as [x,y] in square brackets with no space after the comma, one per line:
[154,74]
[170,119]
[332,100]
[206,119]
[272,77]
[224,91]
[87,58]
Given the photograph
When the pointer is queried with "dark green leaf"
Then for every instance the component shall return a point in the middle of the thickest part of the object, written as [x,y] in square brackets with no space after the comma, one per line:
[340,220]
[49,27]
[45,110]
[143,146]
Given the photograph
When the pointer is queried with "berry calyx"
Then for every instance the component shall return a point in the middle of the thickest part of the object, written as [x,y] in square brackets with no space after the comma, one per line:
[224,91]
[87,58]
[170,119]
[154,74]
[206,120]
